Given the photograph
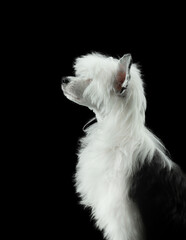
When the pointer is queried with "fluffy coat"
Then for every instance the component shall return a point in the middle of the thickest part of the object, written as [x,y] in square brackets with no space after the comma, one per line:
[123,173]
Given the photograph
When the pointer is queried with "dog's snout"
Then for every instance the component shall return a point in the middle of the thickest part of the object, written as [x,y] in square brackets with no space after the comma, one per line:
[65,80]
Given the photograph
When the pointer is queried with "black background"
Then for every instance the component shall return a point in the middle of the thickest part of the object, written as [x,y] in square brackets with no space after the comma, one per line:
[156,39]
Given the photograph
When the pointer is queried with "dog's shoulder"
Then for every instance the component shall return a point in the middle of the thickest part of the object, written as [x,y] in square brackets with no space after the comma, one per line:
[160,194]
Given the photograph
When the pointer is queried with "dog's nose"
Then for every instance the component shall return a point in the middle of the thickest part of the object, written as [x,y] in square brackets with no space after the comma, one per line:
[65,80]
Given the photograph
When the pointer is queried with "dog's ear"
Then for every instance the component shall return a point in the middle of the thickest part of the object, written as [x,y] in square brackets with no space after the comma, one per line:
[123,74]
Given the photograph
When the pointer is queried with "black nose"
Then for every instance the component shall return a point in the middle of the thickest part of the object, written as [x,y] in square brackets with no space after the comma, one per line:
[65,80]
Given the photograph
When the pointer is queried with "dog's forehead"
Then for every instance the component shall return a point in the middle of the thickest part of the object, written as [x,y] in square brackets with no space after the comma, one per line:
[92,64]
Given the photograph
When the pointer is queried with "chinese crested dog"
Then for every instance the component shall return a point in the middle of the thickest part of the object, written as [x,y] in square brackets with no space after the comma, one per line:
[123,173]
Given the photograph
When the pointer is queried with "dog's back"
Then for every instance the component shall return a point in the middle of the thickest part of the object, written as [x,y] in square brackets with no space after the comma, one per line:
[160,195]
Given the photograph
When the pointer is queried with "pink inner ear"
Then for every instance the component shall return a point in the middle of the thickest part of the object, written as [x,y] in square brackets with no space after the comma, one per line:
[120,80]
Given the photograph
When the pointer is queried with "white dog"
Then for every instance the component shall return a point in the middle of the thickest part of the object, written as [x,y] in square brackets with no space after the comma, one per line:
[134,190]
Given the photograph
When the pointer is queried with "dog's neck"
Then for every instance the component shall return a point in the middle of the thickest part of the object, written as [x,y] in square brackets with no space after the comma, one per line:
[120,117]
[118,121]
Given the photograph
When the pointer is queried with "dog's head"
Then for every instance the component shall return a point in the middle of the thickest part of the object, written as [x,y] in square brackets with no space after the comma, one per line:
[101,82]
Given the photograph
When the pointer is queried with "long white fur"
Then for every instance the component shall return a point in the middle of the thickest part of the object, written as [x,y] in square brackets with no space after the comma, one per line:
[111,147]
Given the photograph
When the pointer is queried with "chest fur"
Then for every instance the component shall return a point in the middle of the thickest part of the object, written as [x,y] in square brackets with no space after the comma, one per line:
[102,181]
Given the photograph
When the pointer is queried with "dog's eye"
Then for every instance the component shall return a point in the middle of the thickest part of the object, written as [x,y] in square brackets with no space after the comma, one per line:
[89,80]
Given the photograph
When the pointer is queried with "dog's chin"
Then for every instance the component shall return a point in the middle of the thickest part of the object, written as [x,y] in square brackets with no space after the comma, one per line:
[73,98]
